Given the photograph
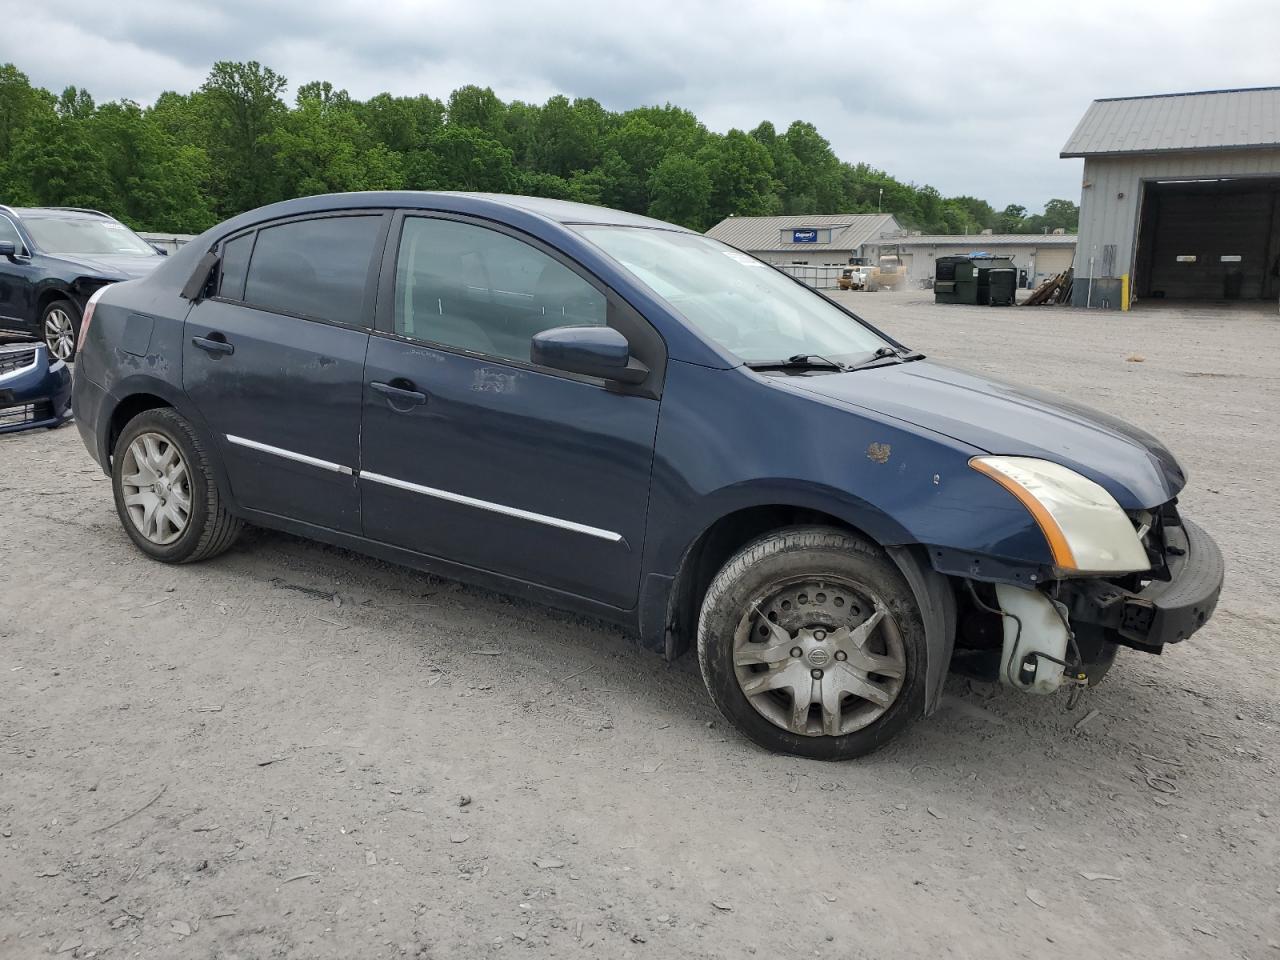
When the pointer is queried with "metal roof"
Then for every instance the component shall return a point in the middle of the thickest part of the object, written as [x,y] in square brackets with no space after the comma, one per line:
[979,240]
[1210,120]
[848,230]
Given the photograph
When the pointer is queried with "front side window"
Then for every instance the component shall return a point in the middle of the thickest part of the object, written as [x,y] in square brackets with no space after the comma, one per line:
[9,233]
[86,236]
[752,310]
[314,268]
[475,289]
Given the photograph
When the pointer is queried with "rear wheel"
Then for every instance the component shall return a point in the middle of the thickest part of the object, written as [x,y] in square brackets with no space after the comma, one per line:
[811,643]
[165,493]
[60,325]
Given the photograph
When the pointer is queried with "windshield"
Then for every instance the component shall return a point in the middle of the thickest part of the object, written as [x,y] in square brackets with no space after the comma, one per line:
[77,237]
[749,308]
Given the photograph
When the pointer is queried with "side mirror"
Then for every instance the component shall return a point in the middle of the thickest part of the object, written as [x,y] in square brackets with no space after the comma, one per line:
[8,250]
[592,351]
[160,250]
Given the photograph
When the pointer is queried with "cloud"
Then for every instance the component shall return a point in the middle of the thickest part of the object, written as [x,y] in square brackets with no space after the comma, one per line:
[974,100]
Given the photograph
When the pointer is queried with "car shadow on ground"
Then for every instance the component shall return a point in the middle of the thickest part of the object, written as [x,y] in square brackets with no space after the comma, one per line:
[979,725]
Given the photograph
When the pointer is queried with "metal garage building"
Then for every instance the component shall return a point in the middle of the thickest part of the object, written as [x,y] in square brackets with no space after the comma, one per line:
[1041,255]
[1179,198]
[811,247]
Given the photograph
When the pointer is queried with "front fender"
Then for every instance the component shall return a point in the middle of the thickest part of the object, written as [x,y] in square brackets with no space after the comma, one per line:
[937,603]
[728,440]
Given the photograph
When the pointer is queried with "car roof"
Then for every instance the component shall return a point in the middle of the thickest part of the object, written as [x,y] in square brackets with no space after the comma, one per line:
[62,213]
[481,204]
[567,211]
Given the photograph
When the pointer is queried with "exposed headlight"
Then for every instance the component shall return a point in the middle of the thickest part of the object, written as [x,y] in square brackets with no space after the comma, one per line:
[1085,527]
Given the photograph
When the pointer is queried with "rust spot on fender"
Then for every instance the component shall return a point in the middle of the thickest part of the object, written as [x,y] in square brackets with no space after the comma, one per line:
[879,452]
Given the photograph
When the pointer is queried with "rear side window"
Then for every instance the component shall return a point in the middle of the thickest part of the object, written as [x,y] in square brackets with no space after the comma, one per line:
[234,265]
[314,268]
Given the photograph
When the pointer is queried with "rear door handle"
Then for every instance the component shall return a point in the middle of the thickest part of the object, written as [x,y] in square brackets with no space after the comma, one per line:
[214,344]
[400,395]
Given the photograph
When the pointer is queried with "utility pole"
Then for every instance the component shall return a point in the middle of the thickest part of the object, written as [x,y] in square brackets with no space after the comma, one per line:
[880,200]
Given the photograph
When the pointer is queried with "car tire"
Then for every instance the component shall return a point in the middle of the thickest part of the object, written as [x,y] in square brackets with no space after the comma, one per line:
[165,493]
[820,587]
[60,329]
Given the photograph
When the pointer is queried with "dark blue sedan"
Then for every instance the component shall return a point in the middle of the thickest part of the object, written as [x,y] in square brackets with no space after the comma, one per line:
[52,259]
[628,419]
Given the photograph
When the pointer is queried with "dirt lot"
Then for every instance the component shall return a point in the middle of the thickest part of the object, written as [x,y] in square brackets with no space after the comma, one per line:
[294,751]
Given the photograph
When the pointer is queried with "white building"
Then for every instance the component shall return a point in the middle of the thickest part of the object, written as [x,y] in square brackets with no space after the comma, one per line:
[1041,255]
[812,247]
[1180,198]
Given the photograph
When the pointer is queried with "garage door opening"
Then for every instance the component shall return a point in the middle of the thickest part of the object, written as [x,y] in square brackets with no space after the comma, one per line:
[1209,240]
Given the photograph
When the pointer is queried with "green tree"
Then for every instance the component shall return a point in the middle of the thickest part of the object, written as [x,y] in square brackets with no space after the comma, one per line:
[22,109]
[322,147]
[477,107]
[403,124]
[244,107]
[159,181]
[19,102]
[55,164]
[612,183]
[1062,214]
[193,158]
[1011,219]
[741,174]
[680,191]
[530,183]
[75,104]
[567,136]
[978,215]
[461,158]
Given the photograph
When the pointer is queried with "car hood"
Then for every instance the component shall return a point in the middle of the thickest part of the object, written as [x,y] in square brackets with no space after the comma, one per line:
[111,267]
[999,418]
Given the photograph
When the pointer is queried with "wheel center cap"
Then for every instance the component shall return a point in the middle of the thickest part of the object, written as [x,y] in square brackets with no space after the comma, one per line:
[819,657]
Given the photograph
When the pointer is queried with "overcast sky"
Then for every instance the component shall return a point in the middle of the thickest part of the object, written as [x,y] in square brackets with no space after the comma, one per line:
[973,98]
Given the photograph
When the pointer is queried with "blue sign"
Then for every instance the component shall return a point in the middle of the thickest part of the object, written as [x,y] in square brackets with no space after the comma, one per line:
[804,236]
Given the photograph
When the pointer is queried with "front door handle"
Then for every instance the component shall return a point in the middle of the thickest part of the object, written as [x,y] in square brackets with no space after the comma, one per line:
[215,344]
[400,394]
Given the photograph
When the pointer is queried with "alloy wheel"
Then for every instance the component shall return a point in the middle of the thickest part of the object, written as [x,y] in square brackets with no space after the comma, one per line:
[819,657]
[157,488]
[60,333]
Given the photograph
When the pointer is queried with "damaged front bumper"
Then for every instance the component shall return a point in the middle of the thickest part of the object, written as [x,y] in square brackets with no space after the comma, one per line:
[34,390]
[1162,611]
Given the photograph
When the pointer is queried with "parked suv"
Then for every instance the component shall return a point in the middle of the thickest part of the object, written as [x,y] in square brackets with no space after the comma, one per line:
[52,259]
[634,421]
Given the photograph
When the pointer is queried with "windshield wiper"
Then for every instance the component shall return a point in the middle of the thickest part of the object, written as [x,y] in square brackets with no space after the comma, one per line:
[800,361]
[883,357]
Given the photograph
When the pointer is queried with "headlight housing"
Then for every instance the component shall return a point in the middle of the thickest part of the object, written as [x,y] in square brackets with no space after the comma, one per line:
[1086,530]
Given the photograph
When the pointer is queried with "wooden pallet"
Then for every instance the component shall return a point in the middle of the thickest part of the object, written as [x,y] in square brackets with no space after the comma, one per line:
[1054,290]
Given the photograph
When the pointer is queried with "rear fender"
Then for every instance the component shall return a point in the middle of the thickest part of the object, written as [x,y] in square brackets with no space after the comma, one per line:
[140,385]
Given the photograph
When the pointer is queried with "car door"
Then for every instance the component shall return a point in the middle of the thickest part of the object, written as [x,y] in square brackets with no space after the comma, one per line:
[274,362]
[471,453]
[17,278]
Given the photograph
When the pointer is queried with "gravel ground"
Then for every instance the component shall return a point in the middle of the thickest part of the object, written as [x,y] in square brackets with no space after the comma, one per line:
[294,751]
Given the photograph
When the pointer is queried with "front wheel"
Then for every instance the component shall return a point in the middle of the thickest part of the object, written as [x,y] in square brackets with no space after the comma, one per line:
[811,643]
[60,325]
